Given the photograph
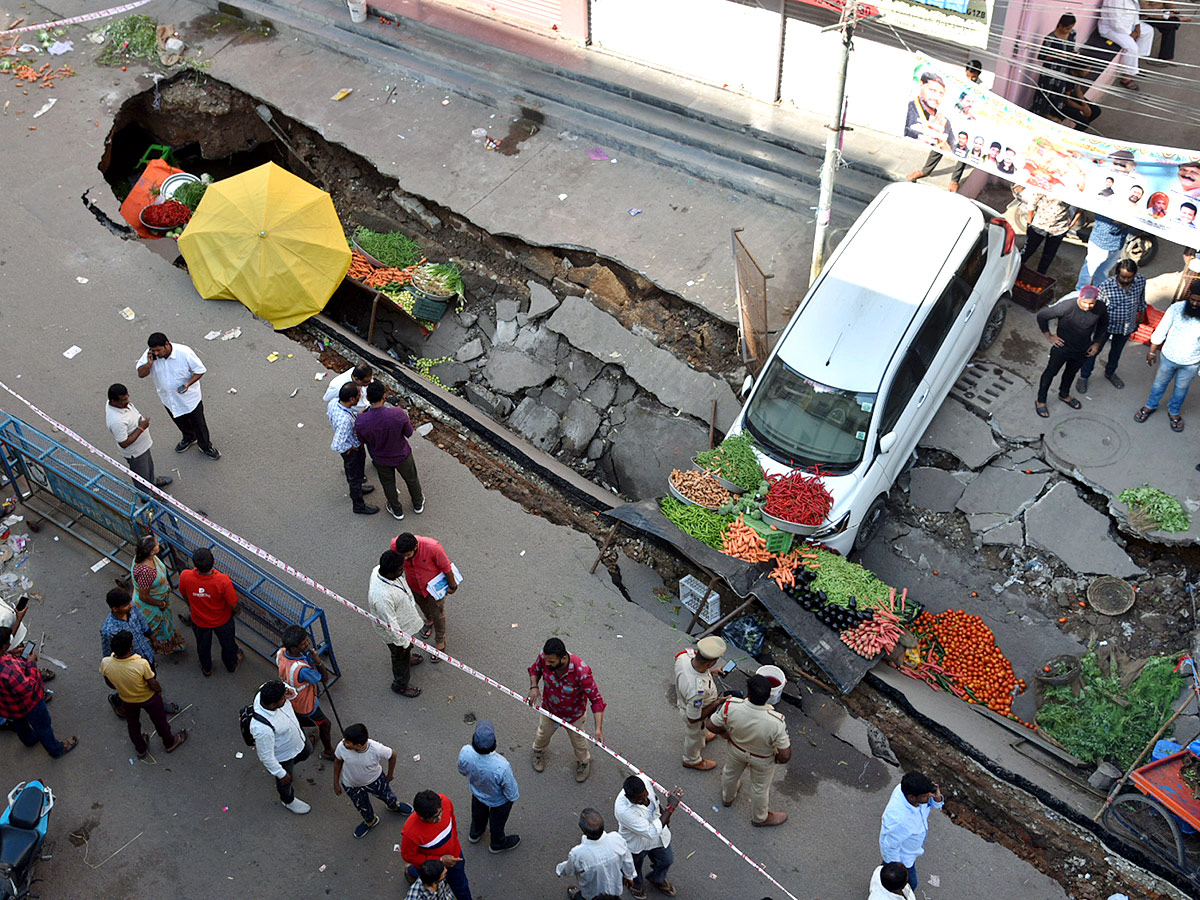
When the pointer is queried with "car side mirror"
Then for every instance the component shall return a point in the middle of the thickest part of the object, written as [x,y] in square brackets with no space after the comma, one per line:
[887,442]
[746,385]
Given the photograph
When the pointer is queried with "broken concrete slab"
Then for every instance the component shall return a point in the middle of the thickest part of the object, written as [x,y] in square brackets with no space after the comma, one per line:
[1013,415]
[490,402]
[1062,524]
[542,300]
[417,210]
[505,333]
[579,426]
[668,378]
[600,393]
[537,423]
[981,522]
[511,372]
[934,489]
[649,445]
[469,351]
[1011,534]
[506,310]
[997,490]
[1020,458]
[957,430]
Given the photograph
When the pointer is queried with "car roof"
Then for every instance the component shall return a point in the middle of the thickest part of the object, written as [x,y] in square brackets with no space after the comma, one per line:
[844,335]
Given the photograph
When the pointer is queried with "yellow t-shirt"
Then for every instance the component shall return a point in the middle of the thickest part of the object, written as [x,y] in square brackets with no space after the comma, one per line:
[129,677]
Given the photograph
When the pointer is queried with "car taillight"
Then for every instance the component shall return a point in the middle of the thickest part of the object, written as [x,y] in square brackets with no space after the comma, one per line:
[1010,236]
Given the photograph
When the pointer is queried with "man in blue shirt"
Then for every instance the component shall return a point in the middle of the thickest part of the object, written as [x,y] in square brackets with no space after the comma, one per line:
[124,616]
[1103,249]
[347,445]
[493,788]
[1124,296]
[905,822]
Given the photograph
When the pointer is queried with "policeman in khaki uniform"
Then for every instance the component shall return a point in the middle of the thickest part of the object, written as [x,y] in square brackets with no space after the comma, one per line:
[696,696]
[758,739]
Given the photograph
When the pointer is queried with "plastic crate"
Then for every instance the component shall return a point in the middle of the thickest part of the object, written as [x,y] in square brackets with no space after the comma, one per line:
[691,593]
[1033,290]
[777,541]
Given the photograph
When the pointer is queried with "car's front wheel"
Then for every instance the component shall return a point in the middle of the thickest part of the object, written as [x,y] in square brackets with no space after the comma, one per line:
[994,324]
[871,523]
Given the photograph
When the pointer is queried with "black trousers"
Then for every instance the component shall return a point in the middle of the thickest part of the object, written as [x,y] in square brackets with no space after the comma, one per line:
[1033,240]
[493,818]
[1069,361]
[1114,356]
[287,792]
[1166,28]
[354,463]
[931,163]
[226,637]
[401,666]
[193,427]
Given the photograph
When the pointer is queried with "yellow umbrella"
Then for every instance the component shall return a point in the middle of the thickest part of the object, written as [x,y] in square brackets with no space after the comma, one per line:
[270,240]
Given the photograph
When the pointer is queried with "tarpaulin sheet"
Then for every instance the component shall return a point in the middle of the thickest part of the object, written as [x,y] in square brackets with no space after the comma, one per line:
[842,666]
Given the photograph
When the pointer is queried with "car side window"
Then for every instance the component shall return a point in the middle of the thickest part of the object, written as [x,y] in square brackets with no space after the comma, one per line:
[945,312]
[972,266]
[903,386]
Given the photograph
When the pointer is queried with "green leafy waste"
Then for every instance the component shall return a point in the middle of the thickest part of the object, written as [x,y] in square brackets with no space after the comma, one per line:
[389,247]
[1151,509]
[1094,727]
[136,37]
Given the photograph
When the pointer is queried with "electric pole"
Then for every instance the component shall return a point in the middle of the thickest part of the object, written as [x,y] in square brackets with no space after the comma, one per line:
[833,142]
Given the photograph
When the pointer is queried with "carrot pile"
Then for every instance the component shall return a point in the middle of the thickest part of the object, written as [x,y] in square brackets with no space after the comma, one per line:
[371,276]
[743,542]
[43,77]
[359,267]
[962,657]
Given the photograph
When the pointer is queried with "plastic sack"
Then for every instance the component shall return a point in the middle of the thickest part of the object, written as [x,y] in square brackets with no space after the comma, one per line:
[746,633]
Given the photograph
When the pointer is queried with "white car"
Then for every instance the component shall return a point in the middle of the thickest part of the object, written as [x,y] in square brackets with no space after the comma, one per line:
[915,287]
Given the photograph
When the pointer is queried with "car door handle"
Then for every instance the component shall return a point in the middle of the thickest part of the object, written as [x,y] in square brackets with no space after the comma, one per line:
[970,312]
[924,394]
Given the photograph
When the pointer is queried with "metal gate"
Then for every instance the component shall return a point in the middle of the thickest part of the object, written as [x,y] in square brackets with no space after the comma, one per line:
[751,283]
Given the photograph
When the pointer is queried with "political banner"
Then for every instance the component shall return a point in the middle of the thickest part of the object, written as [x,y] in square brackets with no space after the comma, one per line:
[1151,188]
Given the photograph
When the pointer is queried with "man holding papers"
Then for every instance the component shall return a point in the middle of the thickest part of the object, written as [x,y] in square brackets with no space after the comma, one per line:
[431,576]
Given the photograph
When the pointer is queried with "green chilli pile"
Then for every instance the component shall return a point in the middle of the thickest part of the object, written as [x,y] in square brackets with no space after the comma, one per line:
[704,525]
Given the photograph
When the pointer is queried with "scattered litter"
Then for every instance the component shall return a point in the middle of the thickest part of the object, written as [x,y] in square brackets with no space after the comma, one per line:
[522,552]
[224,809]
[342,94]
[72,352]
[321,869]
[299,424]
[233,390]
[131,762]
[562,196]
[54,661]
[97,37]
[58,48]
[272,357]
[635,211]
[712,875]
[613,160]
[291,356]
[128,314]
[81,279]
[715,809]
[101,563]
[514,624]
[690,283]
[935,881]
[238,755]
[231,334]
[620,635]
[56,537]
[417,758]
[212,335]
[614,355]
[29,48]
[320,376]
[479,132]
[400,136]
[295,392]
[598,154]
[492,143]
[446,102]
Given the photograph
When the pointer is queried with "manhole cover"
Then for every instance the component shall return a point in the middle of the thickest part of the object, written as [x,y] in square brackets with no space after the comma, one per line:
[1110,595]
[1082,441]
[983,386]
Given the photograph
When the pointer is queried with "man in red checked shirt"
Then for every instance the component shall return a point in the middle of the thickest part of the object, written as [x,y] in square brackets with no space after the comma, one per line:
[424,560]
[569,687]
[213,601]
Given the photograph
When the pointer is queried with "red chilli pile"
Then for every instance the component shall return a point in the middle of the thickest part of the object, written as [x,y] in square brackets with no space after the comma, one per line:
[796,497]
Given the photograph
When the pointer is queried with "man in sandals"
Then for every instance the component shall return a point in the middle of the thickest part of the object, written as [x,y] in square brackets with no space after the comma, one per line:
[1178,338]
[391,601]
[130,675]
[1124,297]
[642,821]
[1082,325]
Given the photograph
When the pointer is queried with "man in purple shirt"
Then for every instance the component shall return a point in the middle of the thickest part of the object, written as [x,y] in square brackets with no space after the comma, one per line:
[385,431]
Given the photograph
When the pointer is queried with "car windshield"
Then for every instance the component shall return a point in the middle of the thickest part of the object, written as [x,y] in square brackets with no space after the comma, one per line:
[802,422]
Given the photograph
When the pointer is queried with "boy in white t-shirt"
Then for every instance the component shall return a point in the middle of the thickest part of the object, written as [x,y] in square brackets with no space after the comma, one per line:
[359,769]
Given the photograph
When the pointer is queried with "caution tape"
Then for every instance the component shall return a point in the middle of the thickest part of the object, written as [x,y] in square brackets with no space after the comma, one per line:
[75,20]
[416,641]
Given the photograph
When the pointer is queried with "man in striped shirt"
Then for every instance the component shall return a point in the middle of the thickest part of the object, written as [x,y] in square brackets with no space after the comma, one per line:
[347,445]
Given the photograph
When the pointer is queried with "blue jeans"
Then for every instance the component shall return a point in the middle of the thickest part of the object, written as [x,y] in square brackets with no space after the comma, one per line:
[912,875]
[456,878]
[1097,263]
[660,861]
[1183,376]
[35,726]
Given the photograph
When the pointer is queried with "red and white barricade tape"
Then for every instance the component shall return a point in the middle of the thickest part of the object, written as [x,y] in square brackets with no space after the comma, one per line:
[456,663]
[75,20]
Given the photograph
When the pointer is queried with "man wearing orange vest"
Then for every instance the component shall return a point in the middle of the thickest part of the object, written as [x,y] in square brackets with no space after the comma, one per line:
[299,671]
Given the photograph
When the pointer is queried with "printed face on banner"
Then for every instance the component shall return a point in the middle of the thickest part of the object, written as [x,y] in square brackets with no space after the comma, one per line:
[1151,188]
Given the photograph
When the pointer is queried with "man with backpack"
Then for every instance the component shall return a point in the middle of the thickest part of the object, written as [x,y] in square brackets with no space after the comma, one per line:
[270,724]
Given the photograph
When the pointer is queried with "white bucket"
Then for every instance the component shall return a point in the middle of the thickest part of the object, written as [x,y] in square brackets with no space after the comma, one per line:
[775,675]
[358,10]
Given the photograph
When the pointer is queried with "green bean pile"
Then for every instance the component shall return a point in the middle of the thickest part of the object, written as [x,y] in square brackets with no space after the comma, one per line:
[702,524]
[841,579]
[734,459]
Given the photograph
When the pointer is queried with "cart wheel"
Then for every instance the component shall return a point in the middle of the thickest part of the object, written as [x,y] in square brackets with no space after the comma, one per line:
[1147,822]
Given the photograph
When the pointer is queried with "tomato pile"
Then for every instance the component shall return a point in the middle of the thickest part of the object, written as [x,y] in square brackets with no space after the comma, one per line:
[966,650]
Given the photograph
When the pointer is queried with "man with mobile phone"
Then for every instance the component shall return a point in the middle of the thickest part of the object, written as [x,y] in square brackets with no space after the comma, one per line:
[176,371]
[131,430]
[23,699]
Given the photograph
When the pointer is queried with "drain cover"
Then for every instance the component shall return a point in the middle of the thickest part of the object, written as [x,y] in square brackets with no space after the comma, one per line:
[1110,595]
[1083,441]
[983,386]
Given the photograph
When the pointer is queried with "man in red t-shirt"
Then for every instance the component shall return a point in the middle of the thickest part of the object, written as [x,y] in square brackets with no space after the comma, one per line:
[424,560]
[431,832]
[213,601]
